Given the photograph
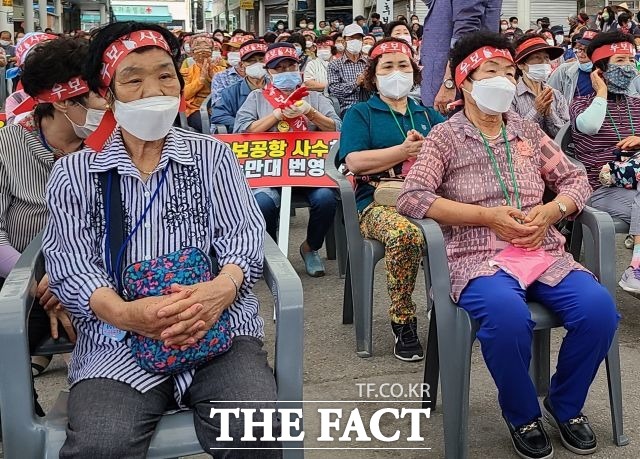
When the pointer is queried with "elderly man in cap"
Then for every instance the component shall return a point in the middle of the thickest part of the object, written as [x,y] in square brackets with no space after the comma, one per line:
[231,99]
[346,75]
[234,73]
[262,112]
[573,79]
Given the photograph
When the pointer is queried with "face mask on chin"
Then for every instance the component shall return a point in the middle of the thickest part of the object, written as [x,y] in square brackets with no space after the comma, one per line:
[585,66]
[147,119]
[493,96]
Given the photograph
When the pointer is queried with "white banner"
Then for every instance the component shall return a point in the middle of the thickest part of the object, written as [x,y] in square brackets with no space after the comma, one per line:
[385,10]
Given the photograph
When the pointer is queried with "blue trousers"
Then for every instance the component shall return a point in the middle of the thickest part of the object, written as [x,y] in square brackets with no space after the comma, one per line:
[589,315]
[323,208]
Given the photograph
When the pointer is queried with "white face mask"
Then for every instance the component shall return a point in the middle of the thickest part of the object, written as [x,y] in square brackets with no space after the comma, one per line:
[4,43]
[324,54]
[366,48]
[216,55]
[308,44]
[340,47]
[550,42]
[147,119]
[354,46]
[233,58]
[396,85]
[406,38]
[94,117]
[559,39]
[493,95]
[256,70]
[539,72]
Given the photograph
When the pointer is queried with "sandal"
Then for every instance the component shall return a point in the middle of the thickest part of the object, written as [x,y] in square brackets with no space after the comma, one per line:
[39,364]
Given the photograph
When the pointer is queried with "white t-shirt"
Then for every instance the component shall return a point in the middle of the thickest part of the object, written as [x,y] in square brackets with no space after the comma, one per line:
[316,70]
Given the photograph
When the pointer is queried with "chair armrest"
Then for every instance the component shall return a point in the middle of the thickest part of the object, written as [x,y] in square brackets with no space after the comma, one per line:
[204,115]
[16,398]
[221,129]
[286,287]
[602,229]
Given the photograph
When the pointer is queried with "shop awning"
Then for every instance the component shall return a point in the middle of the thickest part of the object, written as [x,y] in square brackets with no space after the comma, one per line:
[142,13]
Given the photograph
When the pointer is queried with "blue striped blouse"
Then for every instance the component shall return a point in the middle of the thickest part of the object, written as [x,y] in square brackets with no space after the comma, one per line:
[205,202]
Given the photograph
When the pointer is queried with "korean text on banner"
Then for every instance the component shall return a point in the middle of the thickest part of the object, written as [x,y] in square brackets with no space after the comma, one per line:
[281,159]
[385,9]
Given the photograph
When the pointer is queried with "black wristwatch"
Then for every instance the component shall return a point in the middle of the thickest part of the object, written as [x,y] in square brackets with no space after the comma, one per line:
[449,84]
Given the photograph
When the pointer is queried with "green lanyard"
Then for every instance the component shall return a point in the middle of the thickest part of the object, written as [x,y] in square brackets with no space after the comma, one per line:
[496,169]
[413,126]
[613,123]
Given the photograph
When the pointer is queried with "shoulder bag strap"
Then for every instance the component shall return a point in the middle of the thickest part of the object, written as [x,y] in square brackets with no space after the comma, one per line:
[114,221]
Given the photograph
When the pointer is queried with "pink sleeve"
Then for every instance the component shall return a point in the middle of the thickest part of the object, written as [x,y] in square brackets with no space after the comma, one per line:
[425,176]
[8,258]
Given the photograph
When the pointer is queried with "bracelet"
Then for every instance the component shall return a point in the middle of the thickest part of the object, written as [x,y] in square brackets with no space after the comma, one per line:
[235,283]
[312,114]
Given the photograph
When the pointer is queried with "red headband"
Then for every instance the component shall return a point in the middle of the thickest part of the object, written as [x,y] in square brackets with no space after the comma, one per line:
[589,35]
[28,42]
[282,51]
[252,48]
[124,45]
[326,43]
[612,48]
[391,47]
[63,91]
[474,60]
[530,42]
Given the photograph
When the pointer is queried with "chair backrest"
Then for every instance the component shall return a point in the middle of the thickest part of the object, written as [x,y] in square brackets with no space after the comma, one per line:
[336,104]
[204,115]
[355,239]
[565,140]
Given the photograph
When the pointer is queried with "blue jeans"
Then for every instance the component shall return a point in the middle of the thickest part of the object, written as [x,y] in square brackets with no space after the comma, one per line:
[323,203]
[589,315]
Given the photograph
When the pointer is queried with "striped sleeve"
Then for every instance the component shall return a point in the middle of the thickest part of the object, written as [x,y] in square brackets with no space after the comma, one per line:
[238,224]
[71,261]
[5,202]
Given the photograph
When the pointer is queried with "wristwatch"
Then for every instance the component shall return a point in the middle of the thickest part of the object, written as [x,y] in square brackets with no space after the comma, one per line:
[563,209]
[449,84]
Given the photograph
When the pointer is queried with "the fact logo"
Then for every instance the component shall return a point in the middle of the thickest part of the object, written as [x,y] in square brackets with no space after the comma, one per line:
[336,424]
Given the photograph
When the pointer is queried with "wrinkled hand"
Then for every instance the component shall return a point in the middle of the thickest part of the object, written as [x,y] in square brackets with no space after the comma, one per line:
[443,98]
[502,220]
[297,109]
[62,317]
[541,218]
[599,86]
[630,143]
[47,299]
[142,315]
[360,79]
[214,296]
[412,145]
[543,101]
[277,114]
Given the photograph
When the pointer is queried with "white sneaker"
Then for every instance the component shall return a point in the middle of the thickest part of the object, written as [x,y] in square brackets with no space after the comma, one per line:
[629,241]
[630,281]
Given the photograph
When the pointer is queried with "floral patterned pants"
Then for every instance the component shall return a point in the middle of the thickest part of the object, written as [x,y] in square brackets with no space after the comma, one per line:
[404,245]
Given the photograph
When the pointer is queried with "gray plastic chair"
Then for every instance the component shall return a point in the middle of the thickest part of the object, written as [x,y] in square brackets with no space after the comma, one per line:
[363,256]
[564,139]
[204,115]
[28,436]
[452,333]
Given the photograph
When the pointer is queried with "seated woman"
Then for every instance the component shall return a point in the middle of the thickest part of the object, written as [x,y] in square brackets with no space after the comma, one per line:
[535,100]
[481,175]
[261,113]
[198,78]
[176,186]
[605,123]
[66,112]
[371,150]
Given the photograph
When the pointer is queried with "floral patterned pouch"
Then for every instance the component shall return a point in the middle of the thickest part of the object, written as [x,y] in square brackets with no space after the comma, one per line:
[154,277]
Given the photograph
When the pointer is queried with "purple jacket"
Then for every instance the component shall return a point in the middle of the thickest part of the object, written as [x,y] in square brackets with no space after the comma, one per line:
[445,23]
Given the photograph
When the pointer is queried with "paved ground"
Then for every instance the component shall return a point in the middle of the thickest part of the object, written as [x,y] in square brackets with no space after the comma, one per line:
[332,371]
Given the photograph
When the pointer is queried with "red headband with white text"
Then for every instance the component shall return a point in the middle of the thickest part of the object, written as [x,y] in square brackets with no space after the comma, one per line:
[609,50]
[476,58]
[391,47]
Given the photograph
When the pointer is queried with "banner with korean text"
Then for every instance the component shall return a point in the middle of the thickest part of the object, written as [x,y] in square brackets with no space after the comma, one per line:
[281,159]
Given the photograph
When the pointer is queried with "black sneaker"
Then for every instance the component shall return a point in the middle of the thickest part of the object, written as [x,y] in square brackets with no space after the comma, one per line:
[407,347]
[576,433]
[531,440]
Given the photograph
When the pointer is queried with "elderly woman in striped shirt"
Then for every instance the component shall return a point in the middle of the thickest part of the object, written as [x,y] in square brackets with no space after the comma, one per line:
[60,113]
[606,126]
[133,221]
[482,175]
